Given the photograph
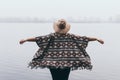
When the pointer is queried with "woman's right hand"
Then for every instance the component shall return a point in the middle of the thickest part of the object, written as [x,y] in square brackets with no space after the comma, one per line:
[22,41]
[100,41]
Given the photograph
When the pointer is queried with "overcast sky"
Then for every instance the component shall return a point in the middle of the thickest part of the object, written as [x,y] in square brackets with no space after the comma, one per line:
[59,8]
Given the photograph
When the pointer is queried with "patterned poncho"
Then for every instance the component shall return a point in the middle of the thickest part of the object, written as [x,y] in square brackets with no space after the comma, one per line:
[61,51]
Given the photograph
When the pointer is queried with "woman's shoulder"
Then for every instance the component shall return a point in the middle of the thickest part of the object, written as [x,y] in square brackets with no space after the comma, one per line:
[46,35]
[76,36]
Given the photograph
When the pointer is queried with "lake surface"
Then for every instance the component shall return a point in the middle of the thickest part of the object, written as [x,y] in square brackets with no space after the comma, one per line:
[14,57]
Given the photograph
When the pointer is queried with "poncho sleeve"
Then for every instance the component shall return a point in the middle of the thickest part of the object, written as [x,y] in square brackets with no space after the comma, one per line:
[42,40]
[84,40]
[81,40]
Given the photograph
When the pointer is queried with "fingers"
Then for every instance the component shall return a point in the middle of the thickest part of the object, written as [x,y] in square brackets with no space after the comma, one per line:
[101,41]
[22,41]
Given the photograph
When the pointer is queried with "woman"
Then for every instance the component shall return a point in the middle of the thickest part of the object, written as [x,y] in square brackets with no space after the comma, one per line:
[61,51]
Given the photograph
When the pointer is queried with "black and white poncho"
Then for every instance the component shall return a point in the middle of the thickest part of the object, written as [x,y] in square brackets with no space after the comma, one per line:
[61,51]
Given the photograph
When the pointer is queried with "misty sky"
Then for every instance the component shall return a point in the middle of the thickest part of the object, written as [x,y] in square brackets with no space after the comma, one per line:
[59,8]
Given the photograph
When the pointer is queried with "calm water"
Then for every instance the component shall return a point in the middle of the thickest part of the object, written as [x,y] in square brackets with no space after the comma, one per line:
[14,57]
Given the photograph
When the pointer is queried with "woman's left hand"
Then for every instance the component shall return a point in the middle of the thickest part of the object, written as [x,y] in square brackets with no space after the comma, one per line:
[22,41]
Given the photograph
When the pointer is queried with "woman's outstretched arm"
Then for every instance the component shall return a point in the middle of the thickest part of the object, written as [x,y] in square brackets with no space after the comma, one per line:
[27,40]
[96,39]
